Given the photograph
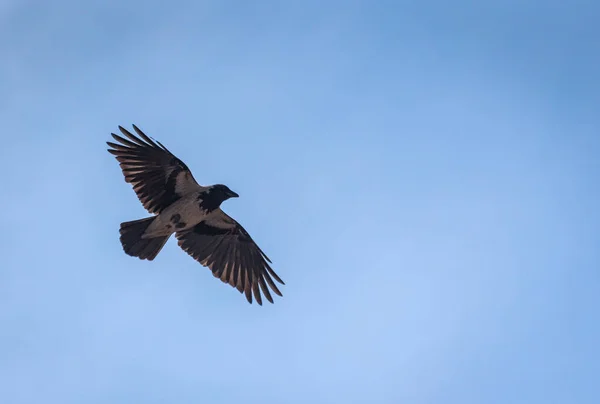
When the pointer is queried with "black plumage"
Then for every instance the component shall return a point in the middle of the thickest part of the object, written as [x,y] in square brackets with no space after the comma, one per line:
[224,246]
[166,188]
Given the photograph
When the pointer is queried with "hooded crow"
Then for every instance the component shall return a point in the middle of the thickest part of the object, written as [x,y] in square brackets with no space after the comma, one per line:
[167,189]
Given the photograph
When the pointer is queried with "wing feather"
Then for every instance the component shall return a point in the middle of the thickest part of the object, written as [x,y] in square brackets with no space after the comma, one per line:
[156,175]
[225,247]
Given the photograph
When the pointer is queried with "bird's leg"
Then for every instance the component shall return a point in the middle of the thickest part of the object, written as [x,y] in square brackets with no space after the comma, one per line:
[176,221]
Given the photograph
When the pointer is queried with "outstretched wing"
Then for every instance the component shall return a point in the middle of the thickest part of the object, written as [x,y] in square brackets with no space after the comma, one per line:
[225,247]
[158,177]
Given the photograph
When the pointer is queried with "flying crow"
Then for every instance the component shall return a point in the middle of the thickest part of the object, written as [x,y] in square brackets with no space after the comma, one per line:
[167,189]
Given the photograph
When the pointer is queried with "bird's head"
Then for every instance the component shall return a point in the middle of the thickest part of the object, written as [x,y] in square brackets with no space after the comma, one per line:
[222,192]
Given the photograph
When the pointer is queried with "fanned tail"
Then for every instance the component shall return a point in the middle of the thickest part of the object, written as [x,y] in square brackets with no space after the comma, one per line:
[136,246]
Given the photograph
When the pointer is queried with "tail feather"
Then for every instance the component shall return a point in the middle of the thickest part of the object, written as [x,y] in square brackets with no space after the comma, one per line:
[136,246]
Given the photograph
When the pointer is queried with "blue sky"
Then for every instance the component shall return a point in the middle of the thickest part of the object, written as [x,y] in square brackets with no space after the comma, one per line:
[424,176]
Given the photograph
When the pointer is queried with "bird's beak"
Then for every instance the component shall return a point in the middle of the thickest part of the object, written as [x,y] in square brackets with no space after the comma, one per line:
[233,195]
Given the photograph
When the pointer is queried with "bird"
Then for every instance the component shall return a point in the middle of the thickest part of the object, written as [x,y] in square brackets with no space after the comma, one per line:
[179,205]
